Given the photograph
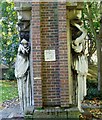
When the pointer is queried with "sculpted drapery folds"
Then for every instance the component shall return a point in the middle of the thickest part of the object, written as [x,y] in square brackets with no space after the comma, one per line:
[22,64]
[22,73]
[79,58]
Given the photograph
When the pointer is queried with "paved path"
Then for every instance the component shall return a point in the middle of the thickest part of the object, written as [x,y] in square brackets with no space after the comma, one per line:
[11,112]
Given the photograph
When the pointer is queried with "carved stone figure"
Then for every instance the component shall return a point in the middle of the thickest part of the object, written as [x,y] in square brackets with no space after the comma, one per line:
[80,62]
[22,73]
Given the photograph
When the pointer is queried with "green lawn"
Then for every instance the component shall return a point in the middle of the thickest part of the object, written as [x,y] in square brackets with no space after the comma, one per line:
[8,90]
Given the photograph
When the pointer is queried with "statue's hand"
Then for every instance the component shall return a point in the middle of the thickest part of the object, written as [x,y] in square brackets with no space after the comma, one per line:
[23,50]
[27,50]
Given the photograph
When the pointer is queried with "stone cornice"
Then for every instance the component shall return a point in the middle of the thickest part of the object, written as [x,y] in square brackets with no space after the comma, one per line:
[74,5]
[21,6]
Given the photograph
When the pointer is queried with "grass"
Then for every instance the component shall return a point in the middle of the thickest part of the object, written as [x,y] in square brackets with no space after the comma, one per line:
[8,90]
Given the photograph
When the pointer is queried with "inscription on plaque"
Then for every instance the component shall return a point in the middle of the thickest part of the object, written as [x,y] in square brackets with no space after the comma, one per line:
[49,55]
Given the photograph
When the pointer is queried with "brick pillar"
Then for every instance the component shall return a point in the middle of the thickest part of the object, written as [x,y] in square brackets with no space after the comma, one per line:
[36,51]
[49,33]
[49,41]
[63,56]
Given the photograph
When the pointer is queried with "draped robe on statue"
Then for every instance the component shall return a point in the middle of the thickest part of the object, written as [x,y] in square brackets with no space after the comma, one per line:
[22,73]
[80,65]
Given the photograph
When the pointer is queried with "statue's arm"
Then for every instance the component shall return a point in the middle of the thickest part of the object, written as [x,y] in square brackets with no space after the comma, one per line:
[81,38]
[23,50]
[82,29]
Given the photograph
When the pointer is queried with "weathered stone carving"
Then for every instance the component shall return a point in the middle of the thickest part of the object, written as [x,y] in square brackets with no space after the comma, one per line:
[24,25]
[24,16]
[22,65]
[80,62]
[22,73]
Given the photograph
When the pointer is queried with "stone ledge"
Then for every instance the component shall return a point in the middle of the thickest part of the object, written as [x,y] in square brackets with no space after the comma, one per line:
[56,112]
[74,5]
[29,110]
[22,6]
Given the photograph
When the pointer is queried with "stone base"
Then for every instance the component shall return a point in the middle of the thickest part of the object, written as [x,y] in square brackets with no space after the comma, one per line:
[29,110]
[57,112]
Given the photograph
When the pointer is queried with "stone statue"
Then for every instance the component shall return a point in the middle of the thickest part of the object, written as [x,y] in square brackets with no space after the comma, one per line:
[22,73]
[79,58]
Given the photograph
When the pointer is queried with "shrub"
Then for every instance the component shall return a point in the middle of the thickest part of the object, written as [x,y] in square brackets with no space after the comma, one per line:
[92,90]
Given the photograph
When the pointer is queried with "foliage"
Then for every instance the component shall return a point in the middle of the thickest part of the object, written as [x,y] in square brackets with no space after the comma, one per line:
[91,19]
[8,74]
[9,33]
[9,90]
[9,40]
[92,90]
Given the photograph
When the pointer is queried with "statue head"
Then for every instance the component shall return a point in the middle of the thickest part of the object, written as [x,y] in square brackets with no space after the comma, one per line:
[24,42]
[77,48]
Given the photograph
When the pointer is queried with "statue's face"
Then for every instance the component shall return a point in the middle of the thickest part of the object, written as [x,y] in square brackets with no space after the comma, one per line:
[25,45]
[77,48]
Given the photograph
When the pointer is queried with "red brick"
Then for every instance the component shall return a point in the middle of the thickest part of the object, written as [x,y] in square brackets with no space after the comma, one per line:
[49,32]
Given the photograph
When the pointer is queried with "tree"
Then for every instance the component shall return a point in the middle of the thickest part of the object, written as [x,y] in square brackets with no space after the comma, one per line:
[9,33]
[100,53]
[91,17]
[92,22]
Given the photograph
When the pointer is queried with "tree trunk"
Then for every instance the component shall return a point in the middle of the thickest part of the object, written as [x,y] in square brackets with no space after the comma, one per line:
[89,14]
[100,55]
[98,45]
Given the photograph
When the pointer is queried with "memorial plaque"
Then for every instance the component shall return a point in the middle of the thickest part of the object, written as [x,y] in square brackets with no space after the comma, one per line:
[49,55]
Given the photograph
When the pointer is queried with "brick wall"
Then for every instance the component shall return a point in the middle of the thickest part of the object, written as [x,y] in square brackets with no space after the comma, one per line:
[63,57]
[49,33]
[49,41]
[36,51]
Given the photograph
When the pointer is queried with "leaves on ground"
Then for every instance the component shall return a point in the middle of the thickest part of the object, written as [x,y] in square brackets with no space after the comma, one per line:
[94,107]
